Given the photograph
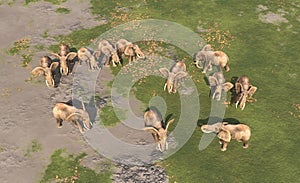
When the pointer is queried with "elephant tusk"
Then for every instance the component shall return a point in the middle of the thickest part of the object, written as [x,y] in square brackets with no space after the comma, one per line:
[236,104]
[52,82]
[47,83]
[244,105]
[165,86]
[67,71]
[61,71]
[167,146]
[159,148]
[91,123]
[85,126]
[197,65]
[214,95]
[171,89]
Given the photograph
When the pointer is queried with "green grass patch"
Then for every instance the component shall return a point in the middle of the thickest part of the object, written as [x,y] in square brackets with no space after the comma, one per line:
[56,1]
[35,146]
[108,115]
[66,167]
[30,1]
[63,10]
[267,53]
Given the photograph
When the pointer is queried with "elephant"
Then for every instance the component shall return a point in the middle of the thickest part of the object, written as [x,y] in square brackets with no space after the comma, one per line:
[244,90]
[90,57]
[207,58]
[177,71]
[225,132]
[111,54]
[64,112]
[217,84]
[48,72]
[154,124]
[65,56]
[132,51]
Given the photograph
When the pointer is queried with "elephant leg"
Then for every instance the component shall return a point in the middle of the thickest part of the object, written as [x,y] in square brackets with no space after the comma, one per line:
[130,60]
[59,123]
[224,146]
[78,125]
[206,66]
[106,64]
[245,145]
[227,68]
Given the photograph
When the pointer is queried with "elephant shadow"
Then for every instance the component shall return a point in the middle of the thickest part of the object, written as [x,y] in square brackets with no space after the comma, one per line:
[214,120]
[233,93]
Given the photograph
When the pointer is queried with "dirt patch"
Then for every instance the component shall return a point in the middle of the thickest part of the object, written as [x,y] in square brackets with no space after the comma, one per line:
[26,106]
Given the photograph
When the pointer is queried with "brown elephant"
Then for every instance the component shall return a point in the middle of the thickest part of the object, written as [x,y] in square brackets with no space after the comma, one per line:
[226,132]
[132,51]
[207,58]
[244,90]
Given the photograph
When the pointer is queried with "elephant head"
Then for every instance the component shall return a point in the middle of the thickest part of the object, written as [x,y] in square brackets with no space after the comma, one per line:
[47,72]
[63,59]
[217,84]
[45,61]
[171,79]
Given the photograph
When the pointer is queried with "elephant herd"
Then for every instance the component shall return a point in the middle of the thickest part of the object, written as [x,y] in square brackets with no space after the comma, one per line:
[211,62]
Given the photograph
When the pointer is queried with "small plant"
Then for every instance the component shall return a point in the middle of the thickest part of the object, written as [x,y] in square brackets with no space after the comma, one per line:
[30,1]
[35,146]
[19,46]
[56,1]
[62,10]
[26,59]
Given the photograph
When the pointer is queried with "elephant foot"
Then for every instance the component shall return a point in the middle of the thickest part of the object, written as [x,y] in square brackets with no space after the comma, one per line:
[203,72]
[106,65]
[245,146]
[60,126]
[220,142]
[223,149]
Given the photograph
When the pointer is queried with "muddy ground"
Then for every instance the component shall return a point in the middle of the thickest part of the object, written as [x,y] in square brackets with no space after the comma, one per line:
[26,107]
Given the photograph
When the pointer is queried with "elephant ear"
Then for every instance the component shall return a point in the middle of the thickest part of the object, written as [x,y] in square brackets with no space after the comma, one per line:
[53,66]
[38,71]
[212,81]
[252,90]
[71,55]
[165,72]
[224,135]
[238,87]
[129,50]
[227,86]
[151,130]
[180,75]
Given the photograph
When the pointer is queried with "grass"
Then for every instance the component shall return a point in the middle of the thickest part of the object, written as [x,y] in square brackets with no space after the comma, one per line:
[267,53]
[35,146]
[66,167]
[63,10]
[57,2]
[108,115]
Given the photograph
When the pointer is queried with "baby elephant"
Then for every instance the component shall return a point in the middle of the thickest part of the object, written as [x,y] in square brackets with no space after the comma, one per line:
[159,129]
[226,132]
[63,112]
